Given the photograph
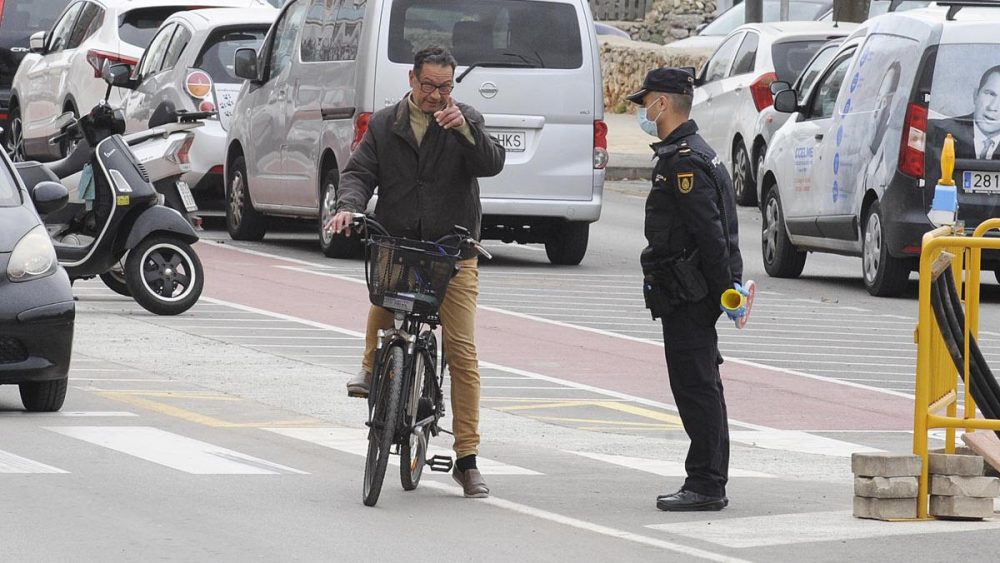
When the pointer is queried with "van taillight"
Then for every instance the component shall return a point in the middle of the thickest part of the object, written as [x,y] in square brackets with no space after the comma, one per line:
[911,149]
[760,89]
[98,59]
[600,144]
[360,128]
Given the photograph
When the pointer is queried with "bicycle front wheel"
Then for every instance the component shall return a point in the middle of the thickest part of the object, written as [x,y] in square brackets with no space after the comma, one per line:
[413,450]
[385,415]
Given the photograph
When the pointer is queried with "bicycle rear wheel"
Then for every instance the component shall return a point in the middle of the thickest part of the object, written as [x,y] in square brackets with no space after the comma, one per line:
[385,415]
[413,450]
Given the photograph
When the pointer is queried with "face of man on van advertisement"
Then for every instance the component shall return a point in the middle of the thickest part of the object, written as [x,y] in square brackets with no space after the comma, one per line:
[431,90]
[987,113]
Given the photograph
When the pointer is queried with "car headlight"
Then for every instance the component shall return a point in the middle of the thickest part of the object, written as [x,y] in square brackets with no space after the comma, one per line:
[33,257]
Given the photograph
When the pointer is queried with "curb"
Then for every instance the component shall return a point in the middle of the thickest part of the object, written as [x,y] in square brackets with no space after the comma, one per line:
[628,166]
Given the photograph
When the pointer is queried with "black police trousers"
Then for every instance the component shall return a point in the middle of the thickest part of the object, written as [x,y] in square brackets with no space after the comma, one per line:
[693,359]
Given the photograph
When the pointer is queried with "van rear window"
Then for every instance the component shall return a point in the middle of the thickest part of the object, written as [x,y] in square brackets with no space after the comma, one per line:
[791,57]
[543,34]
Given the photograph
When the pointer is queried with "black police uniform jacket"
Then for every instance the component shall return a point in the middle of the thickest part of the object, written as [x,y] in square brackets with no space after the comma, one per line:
[692,206]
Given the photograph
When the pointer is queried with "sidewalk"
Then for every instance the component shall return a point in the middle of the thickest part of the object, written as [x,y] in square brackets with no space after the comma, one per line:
[630,157]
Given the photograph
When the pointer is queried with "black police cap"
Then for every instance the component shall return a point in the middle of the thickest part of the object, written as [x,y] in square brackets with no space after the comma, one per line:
[666,79]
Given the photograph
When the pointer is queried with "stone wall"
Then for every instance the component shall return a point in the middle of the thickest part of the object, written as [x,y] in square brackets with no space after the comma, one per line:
[669,20]
[624,63]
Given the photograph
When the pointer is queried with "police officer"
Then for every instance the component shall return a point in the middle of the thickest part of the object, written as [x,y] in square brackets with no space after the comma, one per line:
[692,258]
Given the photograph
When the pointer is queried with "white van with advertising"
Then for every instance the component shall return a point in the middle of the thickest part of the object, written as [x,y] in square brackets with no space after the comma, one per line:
[854,169]
[530,66]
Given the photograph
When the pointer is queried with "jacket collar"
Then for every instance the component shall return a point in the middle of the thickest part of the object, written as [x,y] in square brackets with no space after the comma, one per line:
[402,125]
[685,129]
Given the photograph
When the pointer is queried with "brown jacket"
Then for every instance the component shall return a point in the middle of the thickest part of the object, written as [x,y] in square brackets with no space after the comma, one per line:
[423,190]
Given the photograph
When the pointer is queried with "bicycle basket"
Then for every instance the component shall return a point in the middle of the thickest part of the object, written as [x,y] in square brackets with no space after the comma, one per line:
[409,275]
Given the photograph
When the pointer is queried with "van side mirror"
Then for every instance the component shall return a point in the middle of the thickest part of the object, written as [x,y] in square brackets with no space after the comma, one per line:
[36,43]
[49,197]
[778,86]
[786,101]
[246,64]
[118,75]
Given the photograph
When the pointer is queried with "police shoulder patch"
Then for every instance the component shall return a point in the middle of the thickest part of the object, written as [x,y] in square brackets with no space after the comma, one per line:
[685,181]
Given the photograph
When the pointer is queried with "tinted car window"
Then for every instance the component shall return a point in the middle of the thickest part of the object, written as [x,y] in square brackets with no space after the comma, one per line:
[177,45]
[827,91]
[24,17]
[283,44]
[747,55]
[791,57]
[139,26]
[736,16]
[811,73]
[720,62]
[89,21]
[60,34]
[543,34]
[152,59]
[219,52]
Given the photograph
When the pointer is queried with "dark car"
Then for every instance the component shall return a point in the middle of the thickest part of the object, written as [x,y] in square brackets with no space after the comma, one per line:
[18,20]
[36,301]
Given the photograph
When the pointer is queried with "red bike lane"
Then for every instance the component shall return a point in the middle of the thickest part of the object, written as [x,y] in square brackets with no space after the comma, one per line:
[755,394]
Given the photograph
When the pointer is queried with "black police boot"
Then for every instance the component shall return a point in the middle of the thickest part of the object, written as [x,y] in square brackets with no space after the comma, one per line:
[690,501]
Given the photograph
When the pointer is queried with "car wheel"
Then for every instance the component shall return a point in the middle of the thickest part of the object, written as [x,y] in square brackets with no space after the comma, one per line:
[334,246]
[164,275]
[567,243]
[43,396]
[884,274]
[781,258]
[746,193]
[15,137]
[242,221]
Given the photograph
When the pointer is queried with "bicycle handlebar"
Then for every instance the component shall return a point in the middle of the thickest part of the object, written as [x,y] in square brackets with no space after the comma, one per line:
[364,222]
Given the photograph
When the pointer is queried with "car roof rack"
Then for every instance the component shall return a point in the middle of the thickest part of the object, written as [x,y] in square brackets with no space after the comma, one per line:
[954,7]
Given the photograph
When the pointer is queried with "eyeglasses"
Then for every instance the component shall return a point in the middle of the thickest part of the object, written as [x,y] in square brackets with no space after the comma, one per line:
[427,88]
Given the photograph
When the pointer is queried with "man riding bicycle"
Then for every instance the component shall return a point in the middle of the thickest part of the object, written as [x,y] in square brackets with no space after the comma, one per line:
[424,155]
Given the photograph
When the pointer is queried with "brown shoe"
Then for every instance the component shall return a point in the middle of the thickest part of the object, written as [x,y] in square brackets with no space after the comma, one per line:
[359,384]
[472,483]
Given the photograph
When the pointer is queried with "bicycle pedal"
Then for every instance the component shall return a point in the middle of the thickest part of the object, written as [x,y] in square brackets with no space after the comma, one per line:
[441,463]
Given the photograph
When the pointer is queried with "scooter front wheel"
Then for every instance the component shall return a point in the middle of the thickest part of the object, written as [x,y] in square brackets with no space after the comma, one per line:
[164,275]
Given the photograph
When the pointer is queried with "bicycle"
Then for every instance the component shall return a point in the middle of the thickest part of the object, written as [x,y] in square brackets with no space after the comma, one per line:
[405,400]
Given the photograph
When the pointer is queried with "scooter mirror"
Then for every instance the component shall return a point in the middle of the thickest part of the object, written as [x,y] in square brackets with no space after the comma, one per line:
[246,64]
[49,197]
[118,75]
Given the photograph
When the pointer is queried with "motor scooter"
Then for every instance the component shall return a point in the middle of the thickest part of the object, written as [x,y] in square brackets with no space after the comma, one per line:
[125,221]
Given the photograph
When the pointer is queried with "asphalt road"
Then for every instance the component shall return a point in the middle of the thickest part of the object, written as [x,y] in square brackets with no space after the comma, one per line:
[224,434]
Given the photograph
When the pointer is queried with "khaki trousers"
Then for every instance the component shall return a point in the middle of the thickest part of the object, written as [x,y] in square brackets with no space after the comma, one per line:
[458,325]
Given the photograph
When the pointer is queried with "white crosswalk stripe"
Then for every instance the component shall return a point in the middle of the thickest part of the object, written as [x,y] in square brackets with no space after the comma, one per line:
[174,451]
[659,467]
[355,441]
[12,463]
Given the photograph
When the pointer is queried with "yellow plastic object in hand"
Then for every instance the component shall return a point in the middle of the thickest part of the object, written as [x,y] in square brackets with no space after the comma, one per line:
[948,162]
[733,301]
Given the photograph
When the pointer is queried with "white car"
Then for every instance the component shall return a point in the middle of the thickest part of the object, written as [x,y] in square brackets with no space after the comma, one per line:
[188,66]
[734,86]
[63,71]
[712,34]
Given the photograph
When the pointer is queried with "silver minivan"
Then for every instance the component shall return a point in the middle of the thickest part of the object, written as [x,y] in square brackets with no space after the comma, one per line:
[530,66]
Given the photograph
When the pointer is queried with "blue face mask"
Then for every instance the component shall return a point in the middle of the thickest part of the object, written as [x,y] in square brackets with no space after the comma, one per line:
[648,125]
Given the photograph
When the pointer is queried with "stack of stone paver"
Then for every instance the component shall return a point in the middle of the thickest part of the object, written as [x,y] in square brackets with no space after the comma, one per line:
[958,488]
[885,485]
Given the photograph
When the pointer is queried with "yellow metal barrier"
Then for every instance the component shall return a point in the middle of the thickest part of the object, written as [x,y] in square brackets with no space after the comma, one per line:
[937,379]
